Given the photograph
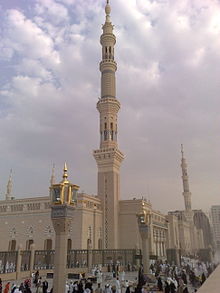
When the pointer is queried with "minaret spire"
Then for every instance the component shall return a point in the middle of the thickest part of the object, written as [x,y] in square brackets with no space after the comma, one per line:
[8,195]
[108,67]
[182,151]
[186,192]
[108,157]
[52,179]
[107,11]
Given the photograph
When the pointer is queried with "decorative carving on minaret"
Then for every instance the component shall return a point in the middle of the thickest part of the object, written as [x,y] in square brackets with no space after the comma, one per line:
[108,156]
[186,192]
[108,106]
[8,195]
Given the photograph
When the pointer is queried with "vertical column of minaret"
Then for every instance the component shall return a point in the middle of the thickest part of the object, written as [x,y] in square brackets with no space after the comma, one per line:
[186,192]
[108,157]
[108,106]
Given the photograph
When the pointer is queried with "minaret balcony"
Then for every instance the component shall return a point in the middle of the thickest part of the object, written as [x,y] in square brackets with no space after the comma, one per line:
[107,39]
[104,155]
[108,105]
[108,64]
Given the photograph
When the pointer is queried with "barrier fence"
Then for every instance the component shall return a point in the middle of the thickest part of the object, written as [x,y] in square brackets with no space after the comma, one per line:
[8,261]
[29,260]
[25,260]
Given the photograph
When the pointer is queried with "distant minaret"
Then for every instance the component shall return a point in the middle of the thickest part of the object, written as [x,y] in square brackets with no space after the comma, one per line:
[108,157]
[186,192]
[8,195]
[52,179]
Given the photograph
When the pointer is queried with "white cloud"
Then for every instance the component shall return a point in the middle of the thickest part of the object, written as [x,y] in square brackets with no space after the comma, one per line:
[167,83]
[26,38]
[55,12]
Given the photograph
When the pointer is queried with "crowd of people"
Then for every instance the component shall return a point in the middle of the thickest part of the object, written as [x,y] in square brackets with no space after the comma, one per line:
[163,277]
[190,275]
[25,287]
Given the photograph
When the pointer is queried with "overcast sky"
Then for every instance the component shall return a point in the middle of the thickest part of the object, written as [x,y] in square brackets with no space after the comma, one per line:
[168,55]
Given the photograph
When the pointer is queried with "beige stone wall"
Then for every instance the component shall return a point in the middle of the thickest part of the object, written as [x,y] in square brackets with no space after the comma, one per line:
[185,236]
[173,232]
[129,233]
[29,219]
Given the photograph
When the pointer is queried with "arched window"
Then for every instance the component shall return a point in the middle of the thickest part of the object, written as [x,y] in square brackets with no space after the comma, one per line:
[69,244]
[105,135]
[12,245]
[100,243]
[112,132]
[28,244]
[48,244]
[89,242]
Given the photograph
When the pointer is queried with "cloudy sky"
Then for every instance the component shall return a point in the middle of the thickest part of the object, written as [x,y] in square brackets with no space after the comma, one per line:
[168,55]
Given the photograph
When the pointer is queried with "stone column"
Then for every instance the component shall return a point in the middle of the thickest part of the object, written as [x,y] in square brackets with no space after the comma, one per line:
[94,228]
[18,265]
[89,257]
[32,258]
[63,197]
[145,247]
[60,257]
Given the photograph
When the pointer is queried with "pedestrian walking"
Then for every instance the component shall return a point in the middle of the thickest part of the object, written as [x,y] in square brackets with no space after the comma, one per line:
[98,289]
[7,288]
[45,286]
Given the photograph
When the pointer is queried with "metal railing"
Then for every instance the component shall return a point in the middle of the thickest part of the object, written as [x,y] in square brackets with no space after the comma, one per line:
[8,261]
[44,259]
[25,260]
[79,258]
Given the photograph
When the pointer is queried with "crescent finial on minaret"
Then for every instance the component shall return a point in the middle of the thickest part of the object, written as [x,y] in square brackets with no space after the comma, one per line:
[107,11]
[65,175]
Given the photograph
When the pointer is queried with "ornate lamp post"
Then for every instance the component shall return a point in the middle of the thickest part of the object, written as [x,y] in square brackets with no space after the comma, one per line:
[143,225]
[63,202]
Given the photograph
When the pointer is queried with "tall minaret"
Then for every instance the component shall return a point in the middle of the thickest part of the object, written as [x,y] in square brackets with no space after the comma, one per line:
[108,157]
[8,195]
[186,192]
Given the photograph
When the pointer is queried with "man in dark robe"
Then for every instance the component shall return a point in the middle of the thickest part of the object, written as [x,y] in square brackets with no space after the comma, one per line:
[160,284]
[45,286]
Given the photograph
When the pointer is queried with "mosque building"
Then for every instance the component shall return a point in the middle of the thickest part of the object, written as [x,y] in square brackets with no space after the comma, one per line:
[102,221]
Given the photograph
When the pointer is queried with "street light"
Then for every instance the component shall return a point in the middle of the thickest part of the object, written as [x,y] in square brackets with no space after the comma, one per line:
[63,203]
